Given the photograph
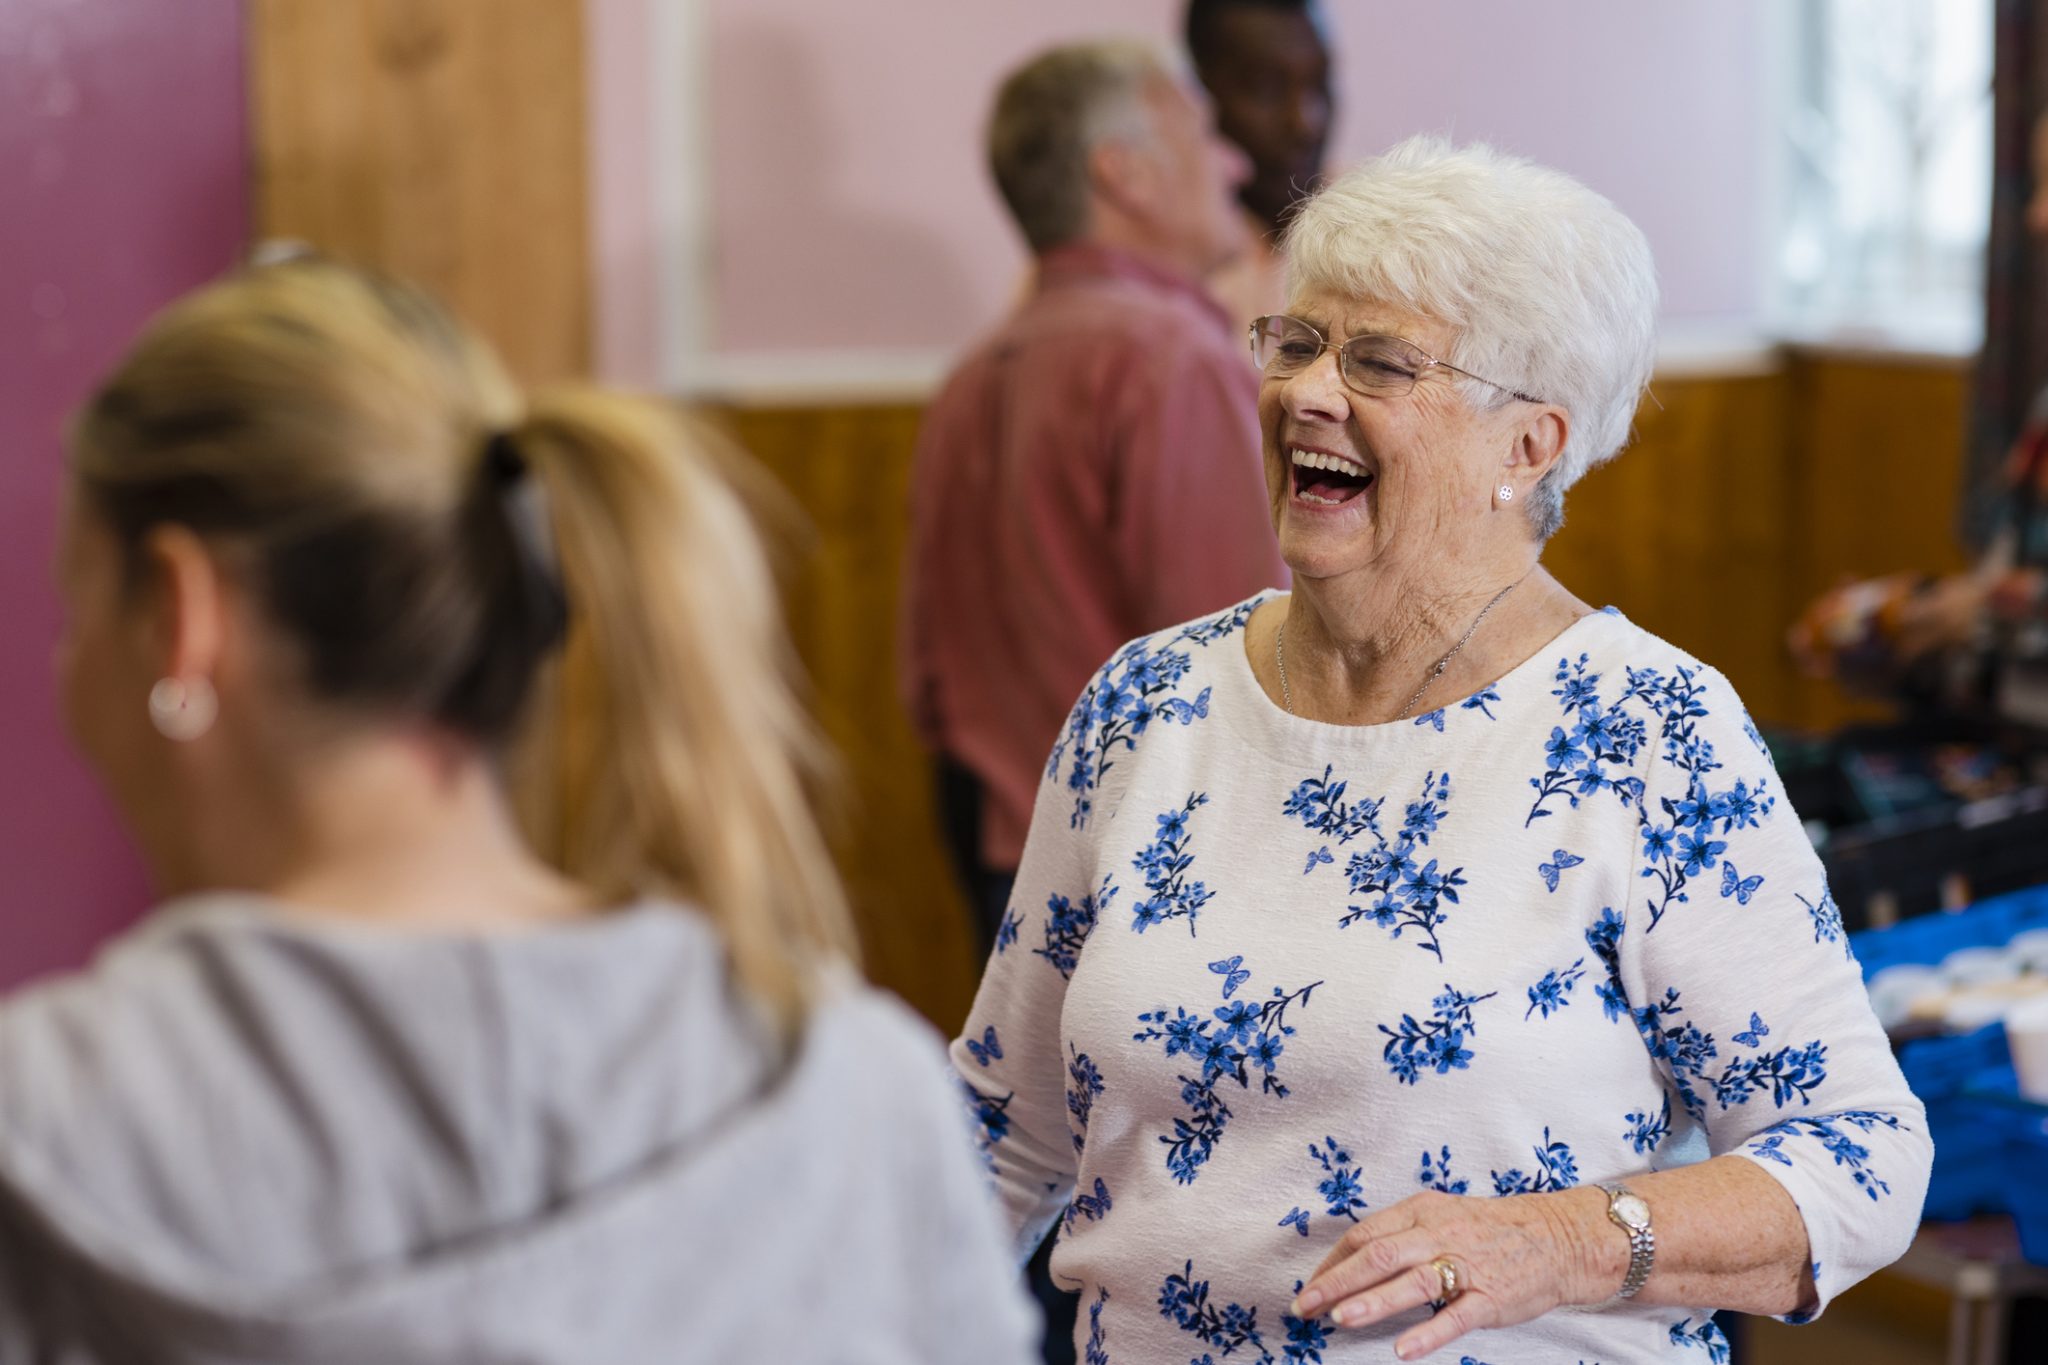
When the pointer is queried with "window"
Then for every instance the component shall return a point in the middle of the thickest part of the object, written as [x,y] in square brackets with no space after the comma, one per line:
[1886,140]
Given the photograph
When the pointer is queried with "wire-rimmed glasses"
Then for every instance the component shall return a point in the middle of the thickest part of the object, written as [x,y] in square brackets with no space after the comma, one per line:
[1370,363]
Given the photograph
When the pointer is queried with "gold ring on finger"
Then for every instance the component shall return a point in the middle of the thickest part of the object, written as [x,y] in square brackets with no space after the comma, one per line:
[1448,1274]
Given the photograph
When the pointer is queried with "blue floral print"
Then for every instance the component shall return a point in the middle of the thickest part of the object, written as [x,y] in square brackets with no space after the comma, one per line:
[1834,1140]
[989,1049]
[1436,1174]
[1133,690]
[1084,1089]
[1479,701]
[1560,863]
[1827,919]
[1165,863]
[1701,813]
[1554,991]
[1599,736]
[1647,1131]
[1096,1351]
[1228,1042]
[1556,1169]
[1231,969]
[1436,1043]
[1006,933]
[1401,891]
[1742,888]
[1604,938]
[1089,1206]
[1604,739]
[991,1116]
[1339,1186]
[1068,925]
[1787,1073]
[1184,1301]
[1707,1336]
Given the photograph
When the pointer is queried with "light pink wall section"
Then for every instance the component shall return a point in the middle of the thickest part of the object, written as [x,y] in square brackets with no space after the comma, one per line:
[849,202]
[121,185]
[1661,107]
[847,205]
[626,239]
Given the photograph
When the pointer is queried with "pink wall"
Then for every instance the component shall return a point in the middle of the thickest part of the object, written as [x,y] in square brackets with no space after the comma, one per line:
[849,207]
[121,154]
[625,238]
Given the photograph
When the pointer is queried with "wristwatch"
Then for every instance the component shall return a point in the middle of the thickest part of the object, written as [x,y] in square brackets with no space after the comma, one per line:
[1627,1211]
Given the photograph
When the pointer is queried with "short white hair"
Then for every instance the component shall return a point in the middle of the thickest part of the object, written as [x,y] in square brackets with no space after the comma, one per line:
[1550,287]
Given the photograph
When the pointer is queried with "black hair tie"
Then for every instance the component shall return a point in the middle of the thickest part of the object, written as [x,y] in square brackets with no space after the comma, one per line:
[504,466]
[521,501]
[526,609]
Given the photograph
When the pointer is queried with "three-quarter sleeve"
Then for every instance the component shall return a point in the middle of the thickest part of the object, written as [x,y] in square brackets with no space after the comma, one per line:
[1740,978]
[1010,1058]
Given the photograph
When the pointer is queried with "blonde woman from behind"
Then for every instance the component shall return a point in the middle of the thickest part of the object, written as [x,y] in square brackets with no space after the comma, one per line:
[416,1062]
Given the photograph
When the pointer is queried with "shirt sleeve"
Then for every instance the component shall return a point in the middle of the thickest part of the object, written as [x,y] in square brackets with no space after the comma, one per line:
[1194,527]
[1010,1059]
[1740,978]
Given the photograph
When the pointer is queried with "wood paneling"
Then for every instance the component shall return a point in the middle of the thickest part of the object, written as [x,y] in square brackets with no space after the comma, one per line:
[1685,530]
[1878,474]
[442,140]
[849,469]
[1741,498]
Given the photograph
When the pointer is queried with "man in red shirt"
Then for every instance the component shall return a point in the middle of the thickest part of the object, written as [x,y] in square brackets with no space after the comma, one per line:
[1091,471]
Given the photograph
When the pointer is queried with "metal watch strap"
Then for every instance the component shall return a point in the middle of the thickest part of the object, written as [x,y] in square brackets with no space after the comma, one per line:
[1642,1242]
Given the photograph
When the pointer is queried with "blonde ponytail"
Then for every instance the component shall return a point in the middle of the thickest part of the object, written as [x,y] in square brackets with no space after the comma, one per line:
[668,752]
[368,456]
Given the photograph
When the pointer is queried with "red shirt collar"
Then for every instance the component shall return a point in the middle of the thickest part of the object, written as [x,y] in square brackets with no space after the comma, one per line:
[1079,262]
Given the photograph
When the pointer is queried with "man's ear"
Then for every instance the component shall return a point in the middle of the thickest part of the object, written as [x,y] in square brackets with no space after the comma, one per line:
[1123,176]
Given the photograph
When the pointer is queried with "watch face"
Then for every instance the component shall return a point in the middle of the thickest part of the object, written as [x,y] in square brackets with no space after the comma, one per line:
[1631,1209]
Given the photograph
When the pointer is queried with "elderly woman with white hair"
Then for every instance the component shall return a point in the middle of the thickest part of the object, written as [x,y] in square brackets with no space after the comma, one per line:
[1425,952]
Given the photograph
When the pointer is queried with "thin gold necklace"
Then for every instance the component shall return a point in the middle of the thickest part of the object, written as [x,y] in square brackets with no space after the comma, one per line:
[1280,655]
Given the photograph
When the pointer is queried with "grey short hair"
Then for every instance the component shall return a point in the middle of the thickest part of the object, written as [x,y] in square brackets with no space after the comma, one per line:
[1050,114]
[1550,287]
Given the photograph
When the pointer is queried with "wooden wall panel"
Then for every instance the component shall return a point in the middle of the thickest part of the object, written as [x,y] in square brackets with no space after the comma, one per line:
[849,469]
[1741,498]
[1684,531]
[442,140]
[1878,475]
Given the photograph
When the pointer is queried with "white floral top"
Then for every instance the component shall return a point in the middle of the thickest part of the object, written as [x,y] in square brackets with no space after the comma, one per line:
[1262,974]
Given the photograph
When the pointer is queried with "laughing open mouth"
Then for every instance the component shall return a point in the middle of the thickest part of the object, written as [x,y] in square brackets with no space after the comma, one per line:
[1328,480]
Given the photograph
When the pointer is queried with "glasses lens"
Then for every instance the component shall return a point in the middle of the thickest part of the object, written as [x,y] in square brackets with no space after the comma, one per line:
[1381,365]
[1284,345]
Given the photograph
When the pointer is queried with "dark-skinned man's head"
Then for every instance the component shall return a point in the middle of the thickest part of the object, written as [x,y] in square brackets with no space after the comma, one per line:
[1266,64]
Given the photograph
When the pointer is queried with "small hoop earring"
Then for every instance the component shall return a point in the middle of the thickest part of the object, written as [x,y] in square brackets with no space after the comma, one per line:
[1507,493]
[183,709]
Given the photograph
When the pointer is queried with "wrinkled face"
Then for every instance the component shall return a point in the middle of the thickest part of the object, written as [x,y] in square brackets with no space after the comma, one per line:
[1269,74]
[102,660]
[1197,174]
[1394,483]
